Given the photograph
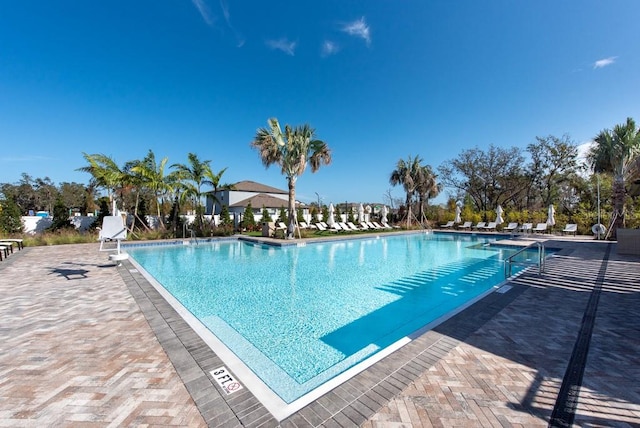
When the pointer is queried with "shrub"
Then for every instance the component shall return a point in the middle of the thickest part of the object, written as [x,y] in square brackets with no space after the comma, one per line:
[10,218]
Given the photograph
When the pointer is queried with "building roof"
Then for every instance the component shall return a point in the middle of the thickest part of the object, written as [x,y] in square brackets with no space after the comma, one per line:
[262,200]
[252,186]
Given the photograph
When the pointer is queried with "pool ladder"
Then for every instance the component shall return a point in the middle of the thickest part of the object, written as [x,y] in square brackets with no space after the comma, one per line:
[508,263]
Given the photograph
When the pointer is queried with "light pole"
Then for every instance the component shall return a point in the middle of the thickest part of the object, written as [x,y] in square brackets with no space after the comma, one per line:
[318,199]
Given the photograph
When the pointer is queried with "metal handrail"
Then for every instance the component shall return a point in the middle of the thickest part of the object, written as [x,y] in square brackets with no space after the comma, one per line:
[541,256]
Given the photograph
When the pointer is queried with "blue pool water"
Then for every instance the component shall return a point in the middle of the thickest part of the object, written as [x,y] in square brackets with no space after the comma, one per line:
[298,316]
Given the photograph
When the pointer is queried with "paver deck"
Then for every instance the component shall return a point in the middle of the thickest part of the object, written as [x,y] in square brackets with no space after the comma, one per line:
[83,343]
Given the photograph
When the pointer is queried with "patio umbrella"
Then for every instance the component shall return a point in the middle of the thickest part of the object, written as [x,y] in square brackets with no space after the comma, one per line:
[331,220]
[551,220]
[360,214]
[499,212]
[385,211]
[458,219]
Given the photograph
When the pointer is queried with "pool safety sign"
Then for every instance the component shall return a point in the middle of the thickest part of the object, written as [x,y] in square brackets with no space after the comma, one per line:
[226,381]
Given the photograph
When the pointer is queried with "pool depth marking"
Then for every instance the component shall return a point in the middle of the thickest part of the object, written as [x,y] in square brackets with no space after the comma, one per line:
[226,381]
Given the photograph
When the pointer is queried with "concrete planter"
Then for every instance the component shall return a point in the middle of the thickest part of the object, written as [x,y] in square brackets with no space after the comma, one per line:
[628,241]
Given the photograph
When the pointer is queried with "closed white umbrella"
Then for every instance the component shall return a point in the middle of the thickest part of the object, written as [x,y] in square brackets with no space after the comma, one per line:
[551,219]
[499,212]
[458,219]
[360,214]
[385,211]
[331,220]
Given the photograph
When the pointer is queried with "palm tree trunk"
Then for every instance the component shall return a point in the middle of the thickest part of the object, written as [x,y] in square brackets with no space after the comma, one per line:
[618,205]
[291,181]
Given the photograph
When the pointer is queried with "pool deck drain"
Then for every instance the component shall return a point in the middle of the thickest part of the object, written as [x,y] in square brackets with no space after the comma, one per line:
[499,362]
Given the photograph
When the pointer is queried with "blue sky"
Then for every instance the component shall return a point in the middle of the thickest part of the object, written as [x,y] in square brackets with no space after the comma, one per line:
[378,80]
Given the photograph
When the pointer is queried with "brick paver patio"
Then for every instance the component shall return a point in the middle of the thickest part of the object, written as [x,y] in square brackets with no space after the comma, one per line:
[83,343]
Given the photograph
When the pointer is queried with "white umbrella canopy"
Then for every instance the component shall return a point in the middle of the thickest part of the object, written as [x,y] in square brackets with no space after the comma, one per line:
[331,220]
[458,219]
[360,214]
[385,211]
[551,219]
[499,212]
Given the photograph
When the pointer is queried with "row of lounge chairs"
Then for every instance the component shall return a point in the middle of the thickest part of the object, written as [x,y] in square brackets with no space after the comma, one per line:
[6,246]
[350,226]
[511,227]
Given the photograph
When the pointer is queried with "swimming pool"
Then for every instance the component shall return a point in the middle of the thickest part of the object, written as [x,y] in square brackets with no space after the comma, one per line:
[298,316]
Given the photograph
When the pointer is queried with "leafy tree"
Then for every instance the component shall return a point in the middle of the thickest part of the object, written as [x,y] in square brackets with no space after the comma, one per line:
[74,195]
[282,215]
[617,152]
[300,215]
[266,217]
[325,213]
[350,216]
[225,217]
[60,217]
[10,217]
[291,150]
[553,162]
[249,220]
[488,177]
[314,214]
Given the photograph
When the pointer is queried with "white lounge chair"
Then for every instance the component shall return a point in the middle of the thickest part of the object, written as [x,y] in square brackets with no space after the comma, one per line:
[377,225]
[491,226]
[570,228]
[353,226]
[511,227]
[16,241]
[448,225]
[540,227]
[480,225]
[386,225]
[465,225]
[371,225]
[113,229]
[526,227]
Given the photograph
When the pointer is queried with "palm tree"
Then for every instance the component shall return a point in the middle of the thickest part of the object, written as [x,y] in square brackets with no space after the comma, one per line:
[212,179]
[106,173]
[426,187]
[152,175]
[193,176]
[407,174]
[291,151]
[617,152]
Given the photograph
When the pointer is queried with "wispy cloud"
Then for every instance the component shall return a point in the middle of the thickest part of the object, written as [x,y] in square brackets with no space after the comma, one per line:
[283,44]
[358,28]
[604,62]
[227,17]
[329,48]
[202,7]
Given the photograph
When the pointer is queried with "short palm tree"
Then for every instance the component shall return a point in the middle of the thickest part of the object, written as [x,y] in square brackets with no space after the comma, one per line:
[193,176]
[291,150]
[106,174]
[407,174]
[152,175]
[426,187]
[617,152]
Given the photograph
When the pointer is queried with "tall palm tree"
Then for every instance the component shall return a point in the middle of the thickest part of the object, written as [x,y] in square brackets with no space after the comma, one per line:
[106,173]
[407,174]
[426,187]
[291,150]
[153,177]
[617,152]
[193,177]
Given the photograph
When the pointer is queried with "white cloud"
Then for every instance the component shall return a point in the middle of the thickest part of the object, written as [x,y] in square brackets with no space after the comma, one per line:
[583,151]
[358,28]
[227,17]
[282,44]
[204,11]
[604,62]
[329,48]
